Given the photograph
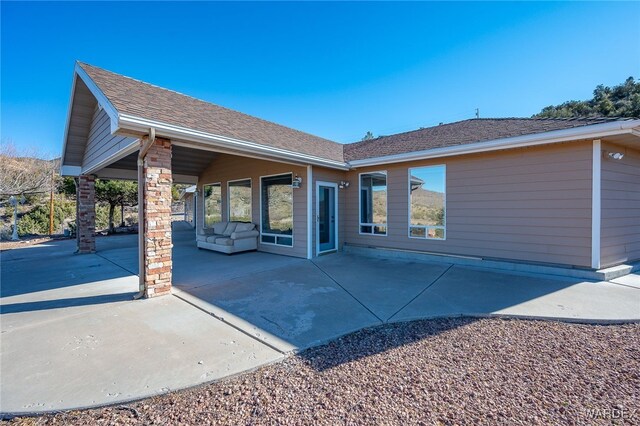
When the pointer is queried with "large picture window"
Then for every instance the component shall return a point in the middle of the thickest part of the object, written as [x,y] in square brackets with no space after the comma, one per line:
[212,204]
[240,200]
[427,202]
[373,203]
[277,210]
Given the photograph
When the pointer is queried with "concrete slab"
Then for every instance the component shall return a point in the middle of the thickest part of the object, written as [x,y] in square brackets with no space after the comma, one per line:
[384,286]
[126,351]
[470,291]
[631,280]
[297,304]
[72,337]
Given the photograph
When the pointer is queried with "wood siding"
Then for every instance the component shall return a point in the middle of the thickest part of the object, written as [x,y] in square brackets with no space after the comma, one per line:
[530,204]
[101,144]
[228,167]
[82,112]
[620,195]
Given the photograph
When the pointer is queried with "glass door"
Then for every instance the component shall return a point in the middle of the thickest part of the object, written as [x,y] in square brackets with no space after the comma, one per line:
[326,229]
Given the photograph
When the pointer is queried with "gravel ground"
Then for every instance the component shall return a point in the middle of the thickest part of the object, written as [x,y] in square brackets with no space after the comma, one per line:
[26,241]
[449,371]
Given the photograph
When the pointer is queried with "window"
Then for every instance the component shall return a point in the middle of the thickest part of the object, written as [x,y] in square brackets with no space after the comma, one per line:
[427,197]
[240,200]
[212,204]
[373,203]
[277,210]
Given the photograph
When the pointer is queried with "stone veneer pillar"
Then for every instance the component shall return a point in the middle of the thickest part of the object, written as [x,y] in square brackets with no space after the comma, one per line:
[157,219]
[86,214]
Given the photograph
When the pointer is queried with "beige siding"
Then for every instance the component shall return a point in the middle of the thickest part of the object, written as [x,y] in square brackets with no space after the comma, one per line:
[227,167]
[101,144]
[321,174]
[531,204]
[620,231]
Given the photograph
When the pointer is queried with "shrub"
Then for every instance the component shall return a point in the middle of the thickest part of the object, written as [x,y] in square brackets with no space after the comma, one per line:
[36,221]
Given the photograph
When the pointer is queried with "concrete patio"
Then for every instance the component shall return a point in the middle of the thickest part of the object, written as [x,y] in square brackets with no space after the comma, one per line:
[73,337]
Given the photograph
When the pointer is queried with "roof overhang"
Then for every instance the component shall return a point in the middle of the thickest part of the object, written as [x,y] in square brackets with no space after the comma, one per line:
[133,125]
[130,125]
[595,131]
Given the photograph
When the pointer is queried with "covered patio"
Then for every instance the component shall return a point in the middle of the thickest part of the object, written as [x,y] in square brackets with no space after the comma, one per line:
[73,337]
[121,128]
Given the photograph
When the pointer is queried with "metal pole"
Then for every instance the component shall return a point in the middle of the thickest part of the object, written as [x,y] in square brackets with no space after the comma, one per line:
[14,202]
[51,204]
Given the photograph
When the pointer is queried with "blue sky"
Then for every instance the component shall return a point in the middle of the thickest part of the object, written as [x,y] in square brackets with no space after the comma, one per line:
[335,70]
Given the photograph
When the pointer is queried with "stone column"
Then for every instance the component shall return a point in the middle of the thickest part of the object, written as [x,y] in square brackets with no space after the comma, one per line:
[157,219]
[86,214]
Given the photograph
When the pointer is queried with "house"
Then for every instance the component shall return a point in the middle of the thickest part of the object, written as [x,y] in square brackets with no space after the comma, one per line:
[188,197]
[561,192]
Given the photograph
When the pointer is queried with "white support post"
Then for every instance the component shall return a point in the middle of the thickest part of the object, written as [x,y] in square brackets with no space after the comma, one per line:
[596,209]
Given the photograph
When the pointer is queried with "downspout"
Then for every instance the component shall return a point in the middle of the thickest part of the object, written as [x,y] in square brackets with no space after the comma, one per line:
[141,155]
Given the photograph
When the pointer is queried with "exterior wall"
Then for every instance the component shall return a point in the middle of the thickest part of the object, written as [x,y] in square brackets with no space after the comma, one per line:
[321,174]
[228,167]
[189,205]
[530,204]
[101,144]
[620,202]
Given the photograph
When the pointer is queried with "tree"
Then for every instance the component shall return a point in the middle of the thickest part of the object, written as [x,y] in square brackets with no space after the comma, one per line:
[622,100]
[116,193]
[24,172]
[368,136]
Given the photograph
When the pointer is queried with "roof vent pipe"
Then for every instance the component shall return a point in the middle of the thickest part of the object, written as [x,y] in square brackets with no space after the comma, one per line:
[141,155]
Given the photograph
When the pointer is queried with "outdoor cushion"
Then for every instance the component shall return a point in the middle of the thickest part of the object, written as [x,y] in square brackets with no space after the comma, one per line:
[242,227]
[218,228]
[201,238]
[229,229]
[206,231]
[212,239]
[224,241]
[246,234]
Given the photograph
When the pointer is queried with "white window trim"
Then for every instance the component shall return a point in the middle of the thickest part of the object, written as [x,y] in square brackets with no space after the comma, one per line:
[229,196]
[336,212]
[204,203]
[292,216]
[444,199]
[361,224]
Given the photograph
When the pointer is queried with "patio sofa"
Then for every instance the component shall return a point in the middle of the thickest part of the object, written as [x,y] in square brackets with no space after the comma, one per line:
[229,237]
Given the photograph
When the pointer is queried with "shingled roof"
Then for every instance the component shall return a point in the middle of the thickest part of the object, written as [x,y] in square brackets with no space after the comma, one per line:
[143,100]
[460,133]
[139,99]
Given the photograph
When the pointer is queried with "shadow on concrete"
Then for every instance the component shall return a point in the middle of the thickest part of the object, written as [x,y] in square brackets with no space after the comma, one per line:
[15,308]
[53,267]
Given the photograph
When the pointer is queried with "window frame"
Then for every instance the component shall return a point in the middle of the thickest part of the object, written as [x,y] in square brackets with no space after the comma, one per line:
[275,236]
[372,225]
[444,206]
[229,197]
[204,204]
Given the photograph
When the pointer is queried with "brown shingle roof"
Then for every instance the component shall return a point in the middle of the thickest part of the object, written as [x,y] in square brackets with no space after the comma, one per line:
[133,97]
[460,133]
[130,96]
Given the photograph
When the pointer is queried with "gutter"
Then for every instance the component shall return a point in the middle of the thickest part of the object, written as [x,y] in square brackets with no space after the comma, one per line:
[594,131]
[141,155]
[170,131]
